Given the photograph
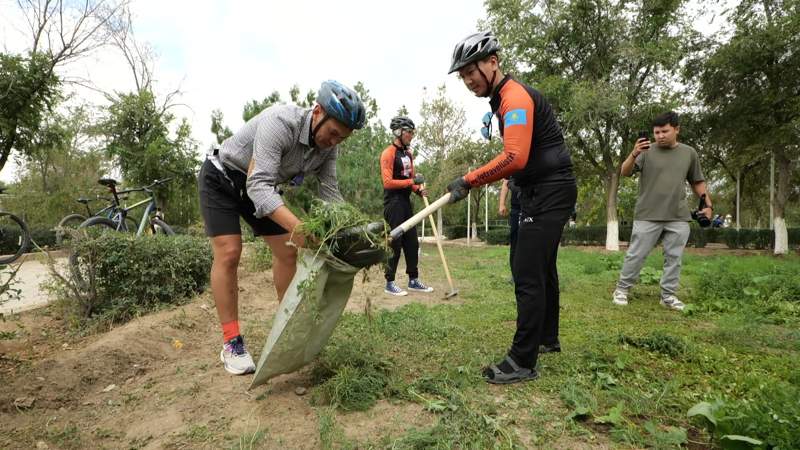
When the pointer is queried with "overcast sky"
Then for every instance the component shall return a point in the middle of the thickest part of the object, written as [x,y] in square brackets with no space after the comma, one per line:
[223,54]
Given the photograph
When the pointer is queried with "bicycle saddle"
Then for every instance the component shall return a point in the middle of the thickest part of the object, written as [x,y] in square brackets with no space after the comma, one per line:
[84,200]
[110,182]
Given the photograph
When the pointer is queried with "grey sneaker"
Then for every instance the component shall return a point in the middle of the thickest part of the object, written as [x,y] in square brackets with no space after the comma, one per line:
[620,297]
[672,302]
[235,358]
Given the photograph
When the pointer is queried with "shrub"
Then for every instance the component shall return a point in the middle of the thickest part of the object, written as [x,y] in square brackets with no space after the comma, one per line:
[744,238]
[455,231]
[497,236]
[125,276]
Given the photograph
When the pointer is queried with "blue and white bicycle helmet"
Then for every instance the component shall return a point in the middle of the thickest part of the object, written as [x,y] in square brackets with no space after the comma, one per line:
[342,103]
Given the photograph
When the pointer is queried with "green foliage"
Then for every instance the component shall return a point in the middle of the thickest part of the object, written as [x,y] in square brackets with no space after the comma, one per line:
[253,107]
[325,220]
[352,373]
[649,276]
[259,257]
[139,139]
[132,276]
[756,239]
[358,166]
[495,236]
[30,88]
[773,290]
[61,164]
[220,130]
[759,422]
[658,342]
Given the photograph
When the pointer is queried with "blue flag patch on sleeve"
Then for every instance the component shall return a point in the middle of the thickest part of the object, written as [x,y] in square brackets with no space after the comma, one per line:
[515,117]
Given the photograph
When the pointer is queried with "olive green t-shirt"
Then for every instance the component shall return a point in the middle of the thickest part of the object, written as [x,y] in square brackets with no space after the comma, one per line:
[662,182]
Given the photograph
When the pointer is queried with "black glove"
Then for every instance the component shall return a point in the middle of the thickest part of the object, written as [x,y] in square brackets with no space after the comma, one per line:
[458,189]
[419,179]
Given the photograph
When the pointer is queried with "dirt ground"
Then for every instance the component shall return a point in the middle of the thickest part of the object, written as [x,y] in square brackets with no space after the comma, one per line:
[157,382]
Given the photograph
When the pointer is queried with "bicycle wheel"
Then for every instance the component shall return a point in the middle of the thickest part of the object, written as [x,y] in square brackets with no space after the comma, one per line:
[159,227]
[72,221]
[14,237]
[79,268]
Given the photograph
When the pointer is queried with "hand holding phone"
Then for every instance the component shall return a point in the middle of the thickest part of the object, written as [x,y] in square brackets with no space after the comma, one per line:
[642,143]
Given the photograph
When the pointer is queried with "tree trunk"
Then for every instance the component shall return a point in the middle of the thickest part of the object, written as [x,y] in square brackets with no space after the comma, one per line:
[781,195]
[612,222]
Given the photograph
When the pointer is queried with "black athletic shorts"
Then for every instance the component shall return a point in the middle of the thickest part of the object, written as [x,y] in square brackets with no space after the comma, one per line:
[222,203]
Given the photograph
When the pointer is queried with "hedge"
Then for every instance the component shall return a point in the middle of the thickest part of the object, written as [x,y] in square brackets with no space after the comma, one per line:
[133,276]
[743,238]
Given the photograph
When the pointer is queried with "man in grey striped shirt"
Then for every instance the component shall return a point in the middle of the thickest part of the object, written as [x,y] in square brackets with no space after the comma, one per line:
[283,143]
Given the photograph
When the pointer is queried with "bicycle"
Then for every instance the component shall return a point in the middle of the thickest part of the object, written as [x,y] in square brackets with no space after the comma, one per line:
[152,221]
[15,237]
[73,221]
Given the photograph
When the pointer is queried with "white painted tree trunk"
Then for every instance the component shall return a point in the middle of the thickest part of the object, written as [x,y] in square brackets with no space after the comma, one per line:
[612,221]
[781,236]
[612,235]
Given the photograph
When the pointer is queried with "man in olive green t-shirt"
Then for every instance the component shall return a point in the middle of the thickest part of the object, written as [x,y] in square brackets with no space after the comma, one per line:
[661,210]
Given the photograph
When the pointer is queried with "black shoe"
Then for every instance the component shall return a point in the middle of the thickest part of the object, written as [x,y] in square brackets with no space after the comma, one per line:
[552,348]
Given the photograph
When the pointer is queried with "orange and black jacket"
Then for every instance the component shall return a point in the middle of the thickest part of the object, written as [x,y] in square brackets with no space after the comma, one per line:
[397,173]
[534,151]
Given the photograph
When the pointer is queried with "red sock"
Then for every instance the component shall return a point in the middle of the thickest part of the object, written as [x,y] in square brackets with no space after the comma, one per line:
[230,330]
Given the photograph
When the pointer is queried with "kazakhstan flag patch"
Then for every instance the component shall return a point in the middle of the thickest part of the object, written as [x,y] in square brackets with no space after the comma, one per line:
[515,117]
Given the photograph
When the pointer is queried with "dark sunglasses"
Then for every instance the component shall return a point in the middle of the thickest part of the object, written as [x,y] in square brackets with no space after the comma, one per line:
[486,130]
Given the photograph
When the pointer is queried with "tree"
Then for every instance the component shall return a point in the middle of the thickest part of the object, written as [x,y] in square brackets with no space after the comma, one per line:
[60,32]
[441,129]
[138,138]
[608,66]
[750,84]
[253,107]
[221,131]
[63,164]
[358,164]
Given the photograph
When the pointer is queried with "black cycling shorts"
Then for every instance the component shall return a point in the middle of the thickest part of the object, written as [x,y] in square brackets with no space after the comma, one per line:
[223,203]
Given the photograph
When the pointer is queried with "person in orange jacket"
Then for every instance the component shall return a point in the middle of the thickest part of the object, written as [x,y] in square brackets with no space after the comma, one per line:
[399,181]
[537,159]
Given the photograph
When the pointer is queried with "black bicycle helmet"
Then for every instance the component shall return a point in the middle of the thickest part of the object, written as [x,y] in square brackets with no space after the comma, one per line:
[401,123]
[342,103]
[473,48]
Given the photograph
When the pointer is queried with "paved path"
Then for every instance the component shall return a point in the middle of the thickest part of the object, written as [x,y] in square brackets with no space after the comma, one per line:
[29,279]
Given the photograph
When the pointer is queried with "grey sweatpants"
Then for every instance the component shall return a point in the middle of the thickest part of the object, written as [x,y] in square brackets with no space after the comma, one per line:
[644,237]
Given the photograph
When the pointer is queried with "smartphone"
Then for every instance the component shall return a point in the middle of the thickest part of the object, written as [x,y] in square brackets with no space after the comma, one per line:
[644,135]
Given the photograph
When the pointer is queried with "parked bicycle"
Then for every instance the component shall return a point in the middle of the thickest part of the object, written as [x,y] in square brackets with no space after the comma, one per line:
[73,221]
[15,238]
[152,221]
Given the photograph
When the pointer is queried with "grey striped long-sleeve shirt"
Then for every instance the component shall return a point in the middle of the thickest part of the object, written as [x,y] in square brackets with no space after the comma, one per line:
[277,139]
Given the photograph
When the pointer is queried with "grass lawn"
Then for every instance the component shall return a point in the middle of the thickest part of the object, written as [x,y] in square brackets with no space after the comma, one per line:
[627,376]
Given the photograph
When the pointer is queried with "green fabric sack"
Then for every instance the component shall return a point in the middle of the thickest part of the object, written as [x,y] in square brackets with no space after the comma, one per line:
[309,312]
